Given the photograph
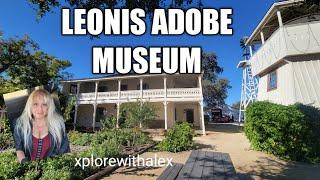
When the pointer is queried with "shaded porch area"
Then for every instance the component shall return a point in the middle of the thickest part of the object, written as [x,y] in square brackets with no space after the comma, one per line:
[167,114]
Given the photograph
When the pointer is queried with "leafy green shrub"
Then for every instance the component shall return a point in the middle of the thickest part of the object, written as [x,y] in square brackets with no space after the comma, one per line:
[109,122]
[137,113]
[179,138]
[108,148]
[312,140]
[125,137]
[9,166]
[6,139]
[81,139]
[58,167]
[285,131]
[106,143]
[67,104]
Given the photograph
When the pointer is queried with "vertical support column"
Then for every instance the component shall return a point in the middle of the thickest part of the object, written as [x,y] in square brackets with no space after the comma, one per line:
[202,118]
[119,89]
[201,105]
[279,18]
[250,49]
[95,105]
[76,107]
[118,103]
[141,93]
[118,114]
[165,103]
[94,116]
[262,37]
[141,88]
[165,87]
[200,85]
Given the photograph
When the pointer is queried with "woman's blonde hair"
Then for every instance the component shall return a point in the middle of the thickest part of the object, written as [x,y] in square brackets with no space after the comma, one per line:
[54,120]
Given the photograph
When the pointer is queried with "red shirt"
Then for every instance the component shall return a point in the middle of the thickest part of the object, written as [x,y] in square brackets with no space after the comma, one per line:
[40,147]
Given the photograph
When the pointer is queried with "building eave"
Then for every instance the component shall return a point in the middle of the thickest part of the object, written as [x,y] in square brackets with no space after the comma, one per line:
[270,13]
[119,77]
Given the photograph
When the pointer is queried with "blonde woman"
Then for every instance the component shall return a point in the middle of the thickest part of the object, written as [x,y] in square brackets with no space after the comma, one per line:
[40,131]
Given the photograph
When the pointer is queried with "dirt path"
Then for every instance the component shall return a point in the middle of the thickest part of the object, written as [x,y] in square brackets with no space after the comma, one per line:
[230,139]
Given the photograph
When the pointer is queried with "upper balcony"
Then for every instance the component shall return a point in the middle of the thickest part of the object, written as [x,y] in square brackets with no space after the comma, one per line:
[289,28]
[153,88]
[288,40]
[154,95]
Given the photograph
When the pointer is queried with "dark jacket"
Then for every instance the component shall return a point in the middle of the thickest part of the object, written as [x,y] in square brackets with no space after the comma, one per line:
[53,151]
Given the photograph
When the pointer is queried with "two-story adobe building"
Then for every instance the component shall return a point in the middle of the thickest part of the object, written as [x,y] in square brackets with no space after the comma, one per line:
[287,62]
[176,97]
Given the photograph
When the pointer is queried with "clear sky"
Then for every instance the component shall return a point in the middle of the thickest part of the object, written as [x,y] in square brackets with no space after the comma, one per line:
[17,17]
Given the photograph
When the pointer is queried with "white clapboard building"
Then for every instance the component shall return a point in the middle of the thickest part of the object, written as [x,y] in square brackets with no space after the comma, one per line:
[287,60]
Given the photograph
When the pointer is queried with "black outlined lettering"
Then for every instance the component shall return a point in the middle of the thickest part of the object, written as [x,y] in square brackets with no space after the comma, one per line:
[141,67]
[190,60]
[79,21]
[225,21]
[139,26]
[210,21]
[154,60]
[112,21]
[193,21]
[161,60]
[102,60]
[159,22]
[123,60]
[95,21]
[65,22]
[176,21]
[170,60]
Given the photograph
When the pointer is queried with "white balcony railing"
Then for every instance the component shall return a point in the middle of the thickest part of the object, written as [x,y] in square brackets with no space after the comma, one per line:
[289,40]
[183,92]
[147,94]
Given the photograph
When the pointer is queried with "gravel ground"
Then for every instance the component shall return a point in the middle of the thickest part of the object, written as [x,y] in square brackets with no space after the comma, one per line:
[227,138]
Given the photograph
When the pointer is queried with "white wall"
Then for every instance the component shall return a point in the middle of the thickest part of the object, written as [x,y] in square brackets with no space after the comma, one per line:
[181,114]
[298,81]
[283,94]
[306,75]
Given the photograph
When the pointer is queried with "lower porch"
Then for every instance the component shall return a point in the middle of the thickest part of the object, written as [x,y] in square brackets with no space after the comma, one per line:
[168,113]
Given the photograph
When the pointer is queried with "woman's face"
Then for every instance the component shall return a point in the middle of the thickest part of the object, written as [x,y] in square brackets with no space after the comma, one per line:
[39,107]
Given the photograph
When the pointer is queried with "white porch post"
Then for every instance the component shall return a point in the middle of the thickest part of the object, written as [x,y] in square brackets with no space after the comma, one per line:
[279,18]
[118,103]
[119,89]
[76,107]
[141,88]
[141,93]
[118,114]
[250,49]
[202,118]
[94,115]
[262,37]
[201,105]
[165,103]
[95,105]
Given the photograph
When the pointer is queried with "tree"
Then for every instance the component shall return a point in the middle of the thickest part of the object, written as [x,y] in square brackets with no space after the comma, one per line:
[214,88]
[24,65]
[44,6]
[137,113]
[236,105]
